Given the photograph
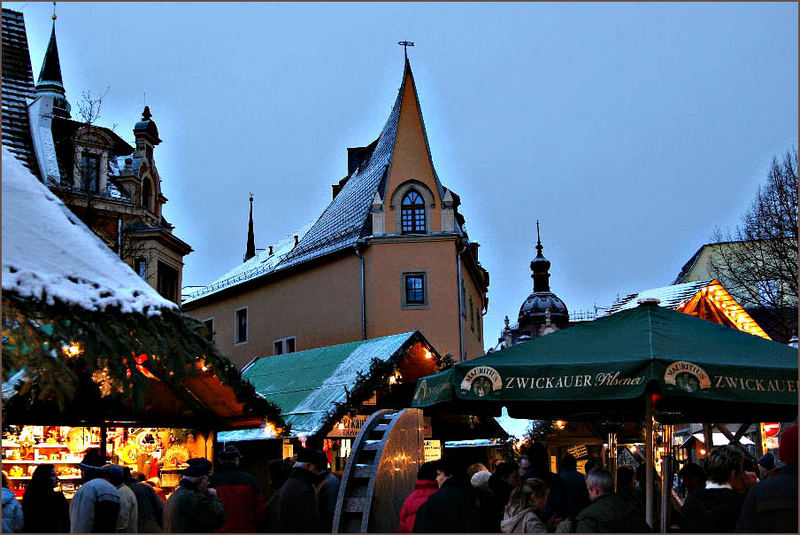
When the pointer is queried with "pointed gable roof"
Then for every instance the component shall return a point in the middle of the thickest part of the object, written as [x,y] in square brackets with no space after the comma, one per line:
[346,219]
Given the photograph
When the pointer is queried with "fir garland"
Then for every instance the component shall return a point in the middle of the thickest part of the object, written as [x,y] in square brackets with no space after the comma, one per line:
[110,344]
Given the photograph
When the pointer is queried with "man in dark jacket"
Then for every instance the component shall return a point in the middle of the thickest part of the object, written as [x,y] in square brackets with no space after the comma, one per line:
[298,507]
[575,483]
[453,508]
[327,492]
[493,502]
[193,507]
[150,517]
[771,505]
[609,512]
[716,508]
[238,491]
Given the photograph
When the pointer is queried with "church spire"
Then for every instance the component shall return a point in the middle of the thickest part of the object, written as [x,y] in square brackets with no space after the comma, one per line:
[251,240]
[540,266]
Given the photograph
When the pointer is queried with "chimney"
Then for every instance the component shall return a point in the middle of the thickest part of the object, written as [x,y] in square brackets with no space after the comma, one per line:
[296,240]
[270,250]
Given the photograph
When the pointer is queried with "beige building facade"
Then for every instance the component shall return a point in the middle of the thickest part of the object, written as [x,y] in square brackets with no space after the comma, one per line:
[389,254]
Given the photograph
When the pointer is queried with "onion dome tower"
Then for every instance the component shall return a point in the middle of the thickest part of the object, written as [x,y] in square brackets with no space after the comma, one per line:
[542,309]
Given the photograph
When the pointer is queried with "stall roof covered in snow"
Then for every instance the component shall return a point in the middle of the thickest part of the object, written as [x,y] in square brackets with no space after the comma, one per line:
[49,254]
[306,385]
[669,296]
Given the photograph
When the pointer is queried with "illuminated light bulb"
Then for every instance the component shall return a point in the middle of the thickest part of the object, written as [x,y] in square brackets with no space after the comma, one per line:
[702,451]
[633,448]
[340,426]
[428,354]
[392,380]
[72,350]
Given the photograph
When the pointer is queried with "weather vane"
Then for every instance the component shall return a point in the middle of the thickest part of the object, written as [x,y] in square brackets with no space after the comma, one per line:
[54,17]
[405,45]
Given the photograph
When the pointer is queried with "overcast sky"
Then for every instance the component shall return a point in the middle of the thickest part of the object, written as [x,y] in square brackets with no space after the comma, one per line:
[629,130]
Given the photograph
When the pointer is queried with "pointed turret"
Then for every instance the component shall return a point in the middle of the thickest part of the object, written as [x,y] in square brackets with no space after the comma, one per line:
[251,239]
[540,266]
[50,82]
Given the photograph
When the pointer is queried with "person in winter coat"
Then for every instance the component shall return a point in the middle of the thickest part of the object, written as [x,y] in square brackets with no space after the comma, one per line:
[149,503]
[575,482]
[194,507]
[298,507]
[95,506]
[558,502]
[525,504]
[13,518]
[327,493]
[46,511]
[716,508]
[425,486]
[278,471]
[771,505]
[608,512]
[238,491]
[128,518]
[453,508]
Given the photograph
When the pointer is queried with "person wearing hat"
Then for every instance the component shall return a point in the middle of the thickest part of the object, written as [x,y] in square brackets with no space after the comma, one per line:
[766,464]
[238,491]
[298,507]
[771,505]
[194,507]
[95,506]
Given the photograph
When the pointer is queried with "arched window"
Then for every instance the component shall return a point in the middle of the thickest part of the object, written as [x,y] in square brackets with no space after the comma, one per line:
[412,213]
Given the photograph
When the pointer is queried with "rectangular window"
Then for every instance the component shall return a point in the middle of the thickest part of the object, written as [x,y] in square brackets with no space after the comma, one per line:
[141,268]
[209,324]
[284,345]
[167,282]
[240,329]
[90,173]
[471,314]
[415,290]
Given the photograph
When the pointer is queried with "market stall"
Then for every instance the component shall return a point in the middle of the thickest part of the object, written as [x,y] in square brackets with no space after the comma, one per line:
[95,357]
[647,364]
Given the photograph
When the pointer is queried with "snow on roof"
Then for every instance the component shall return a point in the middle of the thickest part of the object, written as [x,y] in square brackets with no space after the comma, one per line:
[260,264]
[306,384]
[49,254]
[669,296]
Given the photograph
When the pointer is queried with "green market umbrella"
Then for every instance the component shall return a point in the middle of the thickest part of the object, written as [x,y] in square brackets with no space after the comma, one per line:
[693,369]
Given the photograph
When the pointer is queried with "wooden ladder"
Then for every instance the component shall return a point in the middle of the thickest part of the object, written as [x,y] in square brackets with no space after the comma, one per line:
[357,490]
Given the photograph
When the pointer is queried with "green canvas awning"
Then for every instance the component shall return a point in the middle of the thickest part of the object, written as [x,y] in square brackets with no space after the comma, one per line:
[694,368]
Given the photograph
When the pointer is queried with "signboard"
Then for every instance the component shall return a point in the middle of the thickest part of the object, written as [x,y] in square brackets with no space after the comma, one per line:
[348,427]
[578,451]
[433,450]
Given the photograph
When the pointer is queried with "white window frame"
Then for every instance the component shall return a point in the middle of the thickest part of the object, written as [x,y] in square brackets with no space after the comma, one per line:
[284,344]
[236,326]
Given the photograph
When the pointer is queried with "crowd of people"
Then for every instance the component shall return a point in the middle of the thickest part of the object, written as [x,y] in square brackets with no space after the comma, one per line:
[113,500]
[731,493]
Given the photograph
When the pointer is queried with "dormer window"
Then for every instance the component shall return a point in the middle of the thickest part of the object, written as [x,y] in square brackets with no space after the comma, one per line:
[412,213]
[90,173]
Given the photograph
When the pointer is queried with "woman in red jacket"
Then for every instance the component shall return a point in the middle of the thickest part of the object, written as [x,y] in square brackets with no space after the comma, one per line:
[426,485]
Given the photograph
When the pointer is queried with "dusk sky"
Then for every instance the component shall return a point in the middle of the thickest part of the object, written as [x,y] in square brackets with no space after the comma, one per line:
[630,131]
